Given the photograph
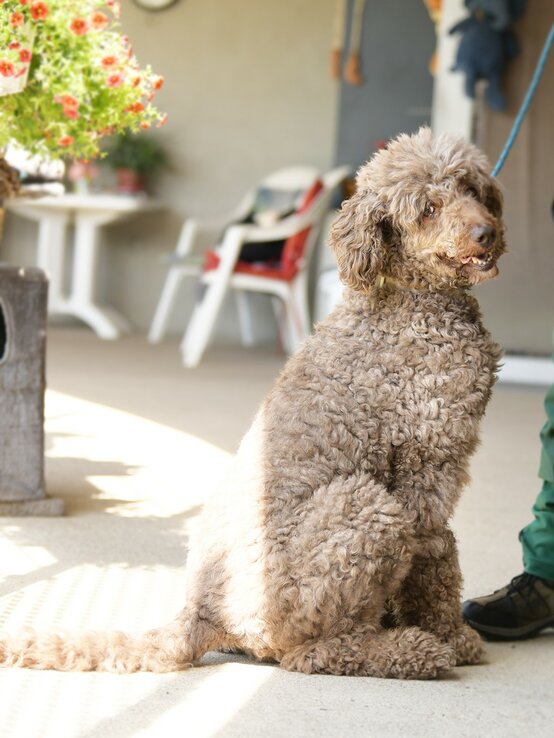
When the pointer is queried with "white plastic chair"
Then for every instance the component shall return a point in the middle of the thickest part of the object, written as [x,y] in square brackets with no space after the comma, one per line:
[290,292]
[186,261]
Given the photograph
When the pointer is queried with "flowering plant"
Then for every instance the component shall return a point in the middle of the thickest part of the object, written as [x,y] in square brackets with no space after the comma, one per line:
[140,153]
[84,80]
[82,174]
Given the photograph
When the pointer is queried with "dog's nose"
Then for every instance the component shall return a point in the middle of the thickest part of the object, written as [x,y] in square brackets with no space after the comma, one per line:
[484,235]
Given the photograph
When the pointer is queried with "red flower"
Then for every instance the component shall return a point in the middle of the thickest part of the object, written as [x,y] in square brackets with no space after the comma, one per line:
[158,83]
[68,101]
[144,124]
[71,113]
[115,80]
[24,2]
[137,81]
[137,107]
[65,141]
[24,55]
[16,19]
[79,26]
[7,69]
[99,21]
[39,11]
[14,44]
[109,61]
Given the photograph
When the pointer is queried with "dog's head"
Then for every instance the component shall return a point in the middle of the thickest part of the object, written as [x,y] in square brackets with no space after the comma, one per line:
[426,213]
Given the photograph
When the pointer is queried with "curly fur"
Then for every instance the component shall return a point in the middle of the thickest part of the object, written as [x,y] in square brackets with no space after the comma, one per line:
[328,548]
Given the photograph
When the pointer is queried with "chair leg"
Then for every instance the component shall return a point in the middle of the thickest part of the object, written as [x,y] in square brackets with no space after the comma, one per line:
[202,322]
[295,335]
[205,313]
[165,305]
[245,317]
[282,327]
[298,315]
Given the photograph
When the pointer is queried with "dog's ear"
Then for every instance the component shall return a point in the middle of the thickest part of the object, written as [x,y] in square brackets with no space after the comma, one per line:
[357,238]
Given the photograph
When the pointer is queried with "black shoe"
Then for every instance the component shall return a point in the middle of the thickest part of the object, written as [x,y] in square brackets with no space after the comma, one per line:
[520,610]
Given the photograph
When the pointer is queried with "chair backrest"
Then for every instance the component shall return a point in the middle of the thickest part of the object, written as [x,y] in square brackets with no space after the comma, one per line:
[335,176]
[295,180]
[294,250]
[297,248]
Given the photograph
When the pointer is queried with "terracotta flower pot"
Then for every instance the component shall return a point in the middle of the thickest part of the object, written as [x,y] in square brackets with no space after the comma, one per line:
[129,181]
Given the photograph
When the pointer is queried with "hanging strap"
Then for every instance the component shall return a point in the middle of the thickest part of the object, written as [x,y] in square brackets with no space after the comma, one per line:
[526,103]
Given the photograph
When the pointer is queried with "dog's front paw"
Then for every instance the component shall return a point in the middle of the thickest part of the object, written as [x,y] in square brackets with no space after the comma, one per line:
[468,646]
[299,659]
[420,655]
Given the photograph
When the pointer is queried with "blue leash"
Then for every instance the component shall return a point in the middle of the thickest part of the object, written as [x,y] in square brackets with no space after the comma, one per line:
[526,103]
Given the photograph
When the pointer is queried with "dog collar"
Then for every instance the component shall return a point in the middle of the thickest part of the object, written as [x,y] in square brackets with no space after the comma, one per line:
[385,281]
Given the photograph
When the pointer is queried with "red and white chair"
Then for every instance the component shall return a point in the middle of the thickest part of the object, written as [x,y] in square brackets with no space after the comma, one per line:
[286,281]
[188,258]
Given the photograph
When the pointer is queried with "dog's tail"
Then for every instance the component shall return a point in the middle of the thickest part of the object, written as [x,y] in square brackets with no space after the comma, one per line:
[171,648]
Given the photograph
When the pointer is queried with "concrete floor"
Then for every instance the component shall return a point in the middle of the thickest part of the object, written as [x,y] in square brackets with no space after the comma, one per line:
[133,443]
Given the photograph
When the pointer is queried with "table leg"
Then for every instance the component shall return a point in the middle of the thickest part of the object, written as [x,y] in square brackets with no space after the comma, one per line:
[51,257]
[107,323]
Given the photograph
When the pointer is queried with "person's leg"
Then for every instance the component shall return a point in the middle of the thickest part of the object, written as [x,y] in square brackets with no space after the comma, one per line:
[526,606]
[537,538]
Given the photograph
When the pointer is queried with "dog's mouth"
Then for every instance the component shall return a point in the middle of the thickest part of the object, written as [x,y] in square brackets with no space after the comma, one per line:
[481,262]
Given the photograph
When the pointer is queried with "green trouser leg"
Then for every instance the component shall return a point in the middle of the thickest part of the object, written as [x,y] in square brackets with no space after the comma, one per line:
[537,539]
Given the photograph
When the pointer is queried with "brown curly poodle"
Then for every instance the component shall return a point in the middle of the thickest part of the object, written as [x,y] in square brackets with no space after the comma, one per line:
[328,548]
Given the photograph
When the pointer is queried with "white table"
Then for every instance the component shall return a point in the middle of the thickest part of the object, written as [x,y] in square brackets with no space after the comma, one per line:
[86,213]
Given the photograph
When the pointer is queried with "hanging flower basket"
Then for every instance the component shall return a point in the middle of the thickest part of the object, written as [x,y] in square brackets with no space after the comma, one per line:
[15,60]
[68,77]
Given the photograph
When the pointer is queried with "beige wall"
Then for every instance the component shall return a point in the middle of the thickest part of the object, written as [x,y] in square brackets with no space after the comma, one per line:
[247,91]
[519,305]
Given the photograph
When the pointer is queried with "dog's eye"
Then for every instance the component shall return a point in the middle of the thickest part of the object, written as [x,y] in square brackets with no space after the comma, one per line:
[430,210]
